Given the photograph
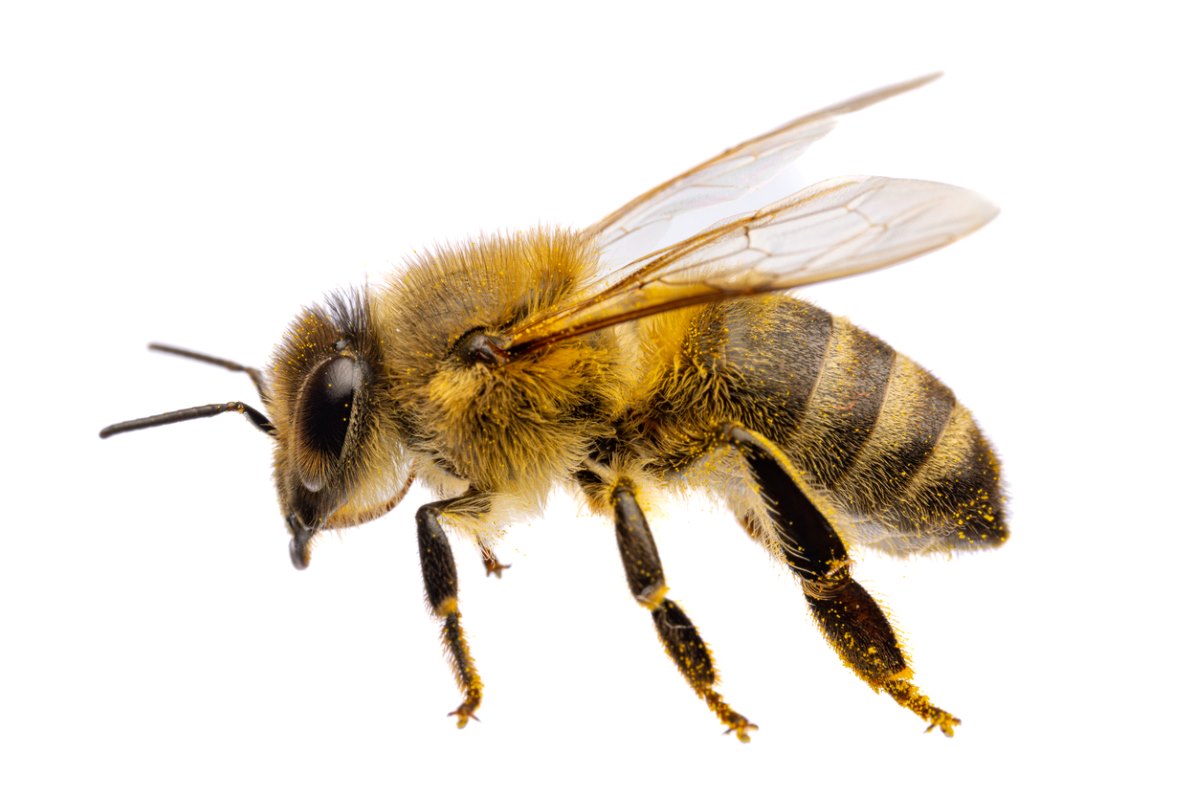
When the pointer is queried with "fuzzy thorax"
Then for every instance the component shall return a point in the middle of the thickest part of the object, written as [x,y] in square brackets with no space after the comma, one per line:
[515,427]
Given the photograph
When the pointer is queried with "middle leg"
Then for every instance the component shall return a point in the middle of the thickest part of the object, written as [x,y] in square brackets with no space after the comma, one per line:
[647,582]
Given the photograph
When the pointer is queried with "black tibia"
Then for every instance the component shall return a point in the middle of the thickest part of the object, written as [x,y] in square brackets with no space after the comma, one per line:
[642,566]
[852,621]
[441,590]
[436,559]
[682,641]
[856,626]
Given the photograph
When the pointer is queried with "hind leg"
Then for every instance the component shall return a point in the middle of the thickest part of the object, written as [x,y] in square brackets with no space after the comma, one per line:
[852,621]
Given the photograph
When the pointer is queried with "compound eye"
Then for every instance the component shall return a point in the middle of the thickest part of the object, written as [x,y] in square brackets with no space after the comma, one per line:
[327,404]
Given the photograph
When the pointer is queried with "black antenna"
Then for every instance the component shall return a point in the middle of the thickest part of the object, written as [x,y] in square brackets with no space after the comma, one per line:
[232,366]
[256,417]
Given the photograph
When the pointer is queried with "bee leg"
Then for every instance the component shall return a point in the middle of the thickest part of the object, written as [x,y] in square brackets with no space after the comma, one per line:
[852,621]
[492,564]
[678,635]
[441,591]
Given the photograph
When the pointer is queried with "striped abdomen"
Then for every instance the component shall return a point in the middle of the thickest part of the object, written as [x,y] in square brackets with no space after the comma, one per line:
[880,437]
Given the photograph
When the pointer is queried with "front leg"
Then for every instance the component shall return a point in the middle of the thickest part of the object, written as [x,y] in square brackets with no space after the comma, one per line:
[441,591]
[647,582]
[491,563]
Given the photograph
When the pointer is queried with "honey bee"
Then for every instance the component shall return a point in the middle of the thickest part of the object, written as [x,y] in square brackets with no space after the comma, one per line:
[496,370]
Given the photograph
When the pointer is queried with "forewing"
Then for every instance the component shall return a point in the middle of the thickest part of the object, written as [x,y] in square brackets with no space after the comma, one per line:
[735,172]
[830,230]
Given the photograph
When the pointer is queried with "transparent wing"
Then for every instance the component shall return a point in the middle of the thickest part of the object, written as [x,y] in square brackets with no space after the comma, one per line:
[735,172]
[829,230]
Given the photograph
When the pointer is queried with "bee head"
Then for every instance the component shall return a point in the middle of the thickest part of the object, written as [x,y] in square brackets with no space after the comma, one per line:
[335,464]
[338,460]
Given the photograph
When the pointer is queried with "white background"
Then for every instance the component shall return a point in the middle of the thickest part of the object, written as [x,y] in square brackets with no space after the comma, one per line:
[196,176]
